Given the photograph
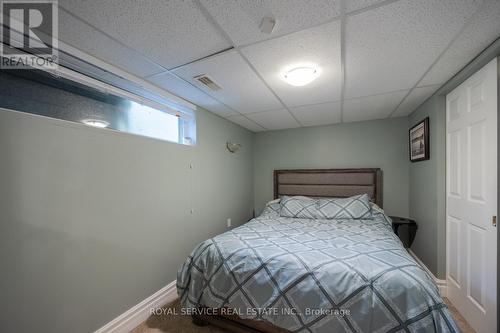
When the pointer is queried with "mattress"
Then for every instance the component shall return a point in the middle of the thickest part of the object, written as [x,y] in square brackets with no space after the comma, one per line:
[312,275]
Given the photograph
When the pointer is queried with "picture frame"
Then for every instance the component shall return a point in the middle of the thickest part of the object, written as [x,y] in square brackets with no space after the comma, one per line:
[418,141]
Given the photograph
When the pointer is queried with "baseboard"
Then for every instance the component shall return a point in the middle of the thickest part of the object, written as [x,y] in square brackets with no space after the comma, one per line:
[133,317]
[443,289]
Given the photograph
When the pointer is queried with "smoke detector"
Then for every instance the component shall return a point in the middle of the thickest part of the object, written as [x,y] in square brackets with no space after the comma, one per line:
[267,25]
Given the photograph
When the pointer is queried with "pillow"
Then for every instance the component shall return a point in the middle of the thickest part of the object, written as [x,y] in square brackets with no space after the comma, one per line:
[356,207]
[378,213]
[298,207]
[376,208]
[272,207]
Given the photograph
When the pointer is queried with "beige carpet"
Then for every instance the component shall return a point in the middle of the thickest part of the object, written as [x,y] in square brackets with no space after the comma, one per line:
[464,326]
[169,323]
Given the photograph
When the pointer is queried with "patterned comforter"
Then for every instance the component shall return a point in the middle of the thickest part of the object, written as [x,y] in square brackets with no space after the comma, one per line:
[310,275]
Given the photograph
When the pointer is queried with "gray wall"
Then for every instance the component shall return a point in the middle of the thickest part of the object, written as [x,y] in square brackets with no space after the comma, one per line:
[427,188]
[428,178]
[94,221]
[378,144]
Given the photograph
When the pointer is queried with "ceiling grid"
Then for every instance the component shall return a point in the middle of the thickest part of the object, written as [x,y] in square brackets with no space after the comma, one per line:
[253,93]
[436,61]
[237,48]
[164,69]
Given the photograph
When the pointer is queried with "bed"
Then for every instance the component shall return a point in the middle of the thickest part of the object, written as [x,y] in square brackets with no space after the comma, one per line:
[284,271]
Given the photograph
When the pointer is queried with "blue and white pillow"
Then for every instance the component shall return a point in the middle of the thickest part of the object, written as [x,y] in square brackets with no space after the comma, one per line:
[298,207]
[356,207]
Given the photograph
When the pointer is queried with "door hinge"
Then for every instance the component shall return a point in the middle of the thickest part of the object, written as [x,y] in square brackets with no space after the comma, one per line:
[494,221]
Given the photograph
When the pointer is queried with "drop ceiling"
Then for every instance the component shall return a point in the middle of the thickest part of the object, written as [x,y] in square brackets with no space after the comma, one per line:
[378,59]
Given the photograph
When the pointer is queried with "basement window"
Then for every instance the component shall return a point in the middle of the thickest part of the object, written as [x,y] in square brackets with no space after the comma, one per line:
[145,119]
[99,99]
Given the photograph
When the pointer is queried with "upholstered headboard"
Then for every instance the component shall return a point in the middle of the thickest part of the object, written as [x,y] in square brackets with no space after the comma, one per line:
[329,183]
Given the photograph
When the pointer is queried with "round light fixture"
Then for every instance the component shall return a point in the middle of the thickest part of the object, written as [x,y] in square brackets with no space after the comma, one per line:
[301,76]
[96,123]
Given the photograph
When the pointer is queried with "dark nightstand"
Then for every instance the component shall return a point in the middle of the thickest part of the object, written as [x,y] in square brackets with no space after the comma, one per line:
[405,233]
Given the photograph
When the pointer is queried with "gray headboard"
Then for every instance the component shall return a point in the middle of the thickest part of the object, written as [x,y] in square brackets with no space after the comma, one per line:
[339,183]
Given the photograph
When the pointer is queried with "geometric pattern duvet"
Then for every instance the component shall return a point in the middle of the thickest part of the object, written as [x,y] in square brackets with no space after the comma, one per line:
[309,275]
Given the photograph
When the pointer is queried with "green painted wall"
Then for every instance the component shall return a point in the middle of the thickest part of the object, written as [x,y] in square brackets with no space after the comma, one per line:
[428,178]
[427,187]
[379,144]
[94,221]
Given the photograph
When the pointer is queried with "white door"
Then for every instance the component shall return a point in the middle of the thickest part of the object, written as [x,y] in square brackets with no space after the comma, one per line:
[471,198]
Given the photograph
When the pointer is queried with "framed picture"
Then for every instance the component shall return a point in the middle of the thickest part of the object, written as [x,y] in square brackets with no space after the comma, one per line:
[419,141]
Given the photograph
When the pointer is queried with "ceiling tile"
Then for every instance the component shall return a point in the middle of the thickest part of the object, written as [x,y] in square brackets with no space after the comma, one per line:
[352,5]
[241,18]
[245,122]
[272,120]
[82,36]
[183,89]
[241,89]
[416,97]
[317,114]
[171,33]
[483,29]
[372,107]
[391,47]
[319,46]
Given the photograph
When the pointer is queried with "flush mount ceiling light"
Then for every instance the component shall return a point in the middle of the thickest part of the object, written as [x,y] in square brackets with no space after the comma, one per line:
[96,123]
[300,76]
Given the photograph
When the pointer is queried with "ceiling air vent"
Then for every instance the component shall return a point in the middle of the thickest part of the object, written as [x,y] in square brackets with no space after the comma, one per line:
[205,80]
